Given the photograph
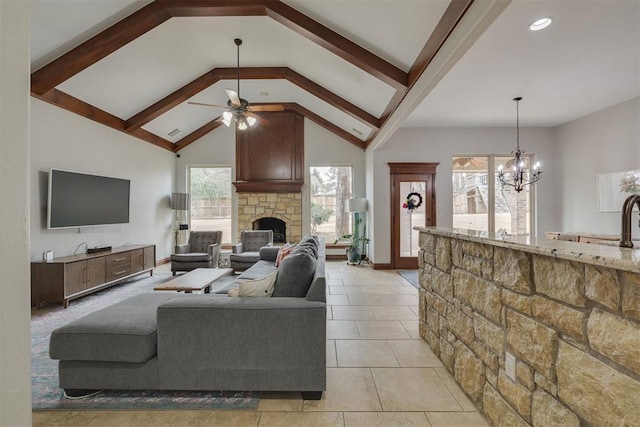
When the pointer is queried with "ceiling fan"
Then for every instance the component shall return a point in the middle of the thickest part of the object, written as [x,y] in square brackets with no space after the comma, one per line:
[238,109]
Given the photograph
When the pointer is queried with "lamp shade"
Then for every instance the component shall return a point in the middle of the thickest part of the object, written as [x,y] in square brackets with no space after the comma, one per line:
[357,205]
[180,201]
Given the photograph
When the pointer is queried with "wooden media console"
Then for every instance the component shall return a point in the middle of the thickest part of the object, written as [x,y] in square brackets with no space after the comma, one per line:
[74,276]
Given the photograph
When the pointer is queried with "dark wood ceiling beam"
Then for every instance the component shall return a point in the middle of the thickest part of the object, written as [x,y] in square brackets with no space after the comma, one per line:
[215,123]
[98,47]
[331,98]
[77,106]
[337,44]
[449,20]
[327,125]
[172,100]
[247,73]
[447,23]
[179,8]
[198,133]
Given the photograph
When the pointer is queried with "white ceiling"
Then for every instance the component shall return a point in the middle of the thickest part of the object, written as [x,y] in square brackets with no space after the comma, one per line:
[587,60]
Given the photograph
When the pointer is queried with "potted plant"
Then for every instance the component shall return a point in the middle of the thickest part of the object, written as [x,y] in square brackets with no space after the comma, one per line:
[355,240]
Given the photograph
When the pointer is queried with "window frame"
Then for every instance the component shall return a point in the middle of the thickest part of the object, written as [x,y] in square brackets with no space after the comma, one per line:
[233,219]
[310,195]
[492,171]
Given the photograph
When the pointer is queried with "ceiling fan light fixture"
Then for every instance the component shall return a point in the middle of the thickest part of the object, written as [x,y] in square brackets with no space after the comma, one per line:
[242,125]
[251,120]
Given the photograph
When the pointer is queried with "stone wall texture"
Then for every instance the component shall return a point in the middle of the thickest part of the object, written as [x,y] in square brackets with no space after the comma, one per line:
[284,206]
[574,330]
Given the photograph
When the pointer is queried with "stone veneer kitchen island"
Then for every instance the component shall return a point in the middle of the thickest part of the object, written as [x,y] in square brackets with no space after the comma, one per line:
[568,313]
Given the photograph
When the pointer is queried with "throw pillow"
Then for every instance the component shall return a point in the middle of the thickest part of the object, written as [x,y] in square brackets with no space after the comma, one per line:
[295,274]
[233,292]
[262,287]
[283,252]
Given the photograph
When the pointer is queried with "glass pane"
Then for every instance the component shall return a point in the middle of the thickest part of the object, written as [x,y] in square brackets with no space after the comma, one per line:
[210,190]
[408,236]
[471,193]
[512,209]
[330,188]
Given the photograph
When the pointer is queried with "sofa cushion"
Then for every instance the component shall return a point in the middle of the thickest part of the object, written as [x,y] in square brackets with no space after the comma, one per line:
[258,270]
[262,287]
[295,274]
[283,252]
[248,257]
[191,257]
[122,332]
[310,242]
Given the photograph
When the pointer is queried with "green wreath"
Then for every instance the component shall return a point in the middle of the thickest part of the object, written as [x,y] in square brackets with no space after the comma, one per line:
[411,203]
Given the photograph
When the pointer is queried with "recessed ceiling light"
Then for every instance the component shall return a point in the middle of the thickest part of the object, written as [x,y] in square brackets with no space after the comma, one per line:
[174,132]
[540,24]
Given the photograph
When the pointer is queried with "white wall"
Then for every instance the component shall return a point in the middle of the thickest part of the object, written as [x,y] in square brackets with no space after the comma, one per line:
[63,140]
[439,145]
[603,142]
[15,315]
[321,148]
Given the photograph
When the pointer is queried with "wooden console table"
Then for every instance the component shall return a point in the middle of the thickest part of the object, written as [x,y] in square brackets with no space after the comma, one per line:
[74,276]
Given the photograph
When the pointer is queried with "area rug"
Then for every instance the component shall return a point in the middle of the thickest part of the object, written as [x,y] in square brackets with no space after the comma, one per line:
[44,372]
[410,276]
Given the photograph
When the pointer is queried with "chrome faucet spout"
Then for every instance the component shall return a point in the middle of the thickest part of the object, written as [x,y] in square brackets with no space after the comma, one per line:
[627,209]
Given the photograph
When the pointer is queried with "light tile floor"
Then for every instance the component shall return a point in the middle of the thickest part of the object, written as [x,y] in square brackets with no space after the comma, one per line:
[379,371]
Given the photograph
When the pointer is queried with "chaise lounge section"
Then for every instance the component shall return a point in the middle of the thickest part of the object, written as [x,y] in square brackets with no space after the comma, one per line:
[163,341]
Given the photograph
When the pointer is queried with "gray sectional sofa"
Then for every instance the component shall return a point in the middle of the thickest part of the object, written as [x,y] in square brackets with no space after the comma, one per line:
[171,341]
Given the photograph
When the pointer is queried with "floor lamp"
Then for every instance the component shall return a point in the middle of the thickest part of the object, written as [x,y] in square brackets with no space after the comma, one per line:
[180,203]
[356,206]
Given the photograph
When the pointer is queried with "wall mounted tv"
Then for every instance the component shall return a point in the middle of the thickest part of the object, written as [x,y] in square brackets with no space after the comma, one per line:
[81,200]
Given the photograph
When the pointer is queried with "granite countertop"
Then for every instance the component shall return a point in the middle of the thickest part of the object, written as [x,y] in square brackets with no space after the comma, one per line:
[599,255]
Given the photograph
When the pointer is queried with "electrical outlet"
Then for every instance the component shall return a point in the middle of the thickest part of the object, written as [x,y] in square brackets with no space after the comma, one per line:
[510,365]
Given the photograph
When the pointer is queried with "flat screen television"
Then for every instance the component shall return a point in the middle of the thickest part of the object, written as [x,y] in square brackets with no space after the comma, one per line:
[80,200]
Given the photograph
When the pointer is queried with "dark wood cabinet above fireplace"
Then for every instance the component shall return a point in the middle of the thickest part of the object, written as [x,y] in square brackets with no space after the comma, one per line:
[270,158]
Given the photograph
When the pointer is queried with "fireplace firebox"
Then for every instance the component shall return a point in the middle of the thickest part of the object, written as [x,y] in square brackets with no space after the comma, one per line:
[278,226]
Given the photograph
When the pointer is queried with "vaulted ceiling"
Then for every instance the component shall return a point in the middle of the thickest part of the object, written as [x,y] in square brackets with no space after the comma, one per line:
[361,69]
[332,66]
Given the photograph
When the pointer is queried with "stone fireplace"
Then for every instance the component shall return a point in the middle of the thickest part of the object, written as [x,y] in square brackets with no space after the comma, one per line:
[256,208]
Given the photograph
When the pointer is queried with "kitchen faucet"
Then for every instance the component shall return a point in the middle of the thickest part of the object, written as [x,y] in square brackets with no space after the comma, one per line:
[627,209]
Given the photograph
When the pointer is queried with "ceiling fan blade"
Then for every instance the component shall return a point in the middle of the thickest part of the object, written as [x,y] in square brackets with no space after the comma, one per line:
[267,107]
[206,105]
[233,97]
[261,120]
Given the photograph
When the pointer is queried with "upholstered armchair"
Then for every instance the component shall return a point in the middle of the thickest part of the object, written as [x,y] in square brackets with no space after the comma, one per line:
[247,252]
[202,251]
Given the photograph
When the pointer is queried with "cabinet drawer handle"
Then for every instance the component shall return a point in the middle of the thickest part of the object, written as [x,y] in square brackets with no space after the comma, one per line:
[119,259]
[119,272]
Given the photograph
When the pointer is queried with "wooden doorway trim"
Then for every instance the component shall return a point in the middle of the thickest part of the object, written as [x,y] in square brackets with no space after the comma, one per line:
[401,172]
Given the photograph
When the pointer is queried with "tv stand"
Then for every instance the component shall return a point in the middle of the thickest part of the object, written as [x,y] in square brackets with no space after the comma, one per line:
[71,277]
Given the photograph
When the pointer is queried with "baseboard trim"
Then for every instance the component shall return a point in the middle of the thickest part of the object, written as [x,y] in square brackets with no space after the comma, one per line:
[380,266]
[163,261]
[336,257]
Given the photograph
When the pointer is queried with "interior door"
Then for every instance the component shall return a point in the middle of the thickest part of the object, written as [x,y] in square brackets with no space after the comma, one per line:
[414,181]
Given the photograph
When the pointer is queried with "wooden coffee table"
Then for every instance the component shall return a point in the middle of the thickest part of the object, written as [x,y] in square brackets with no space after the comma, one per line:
[199,279]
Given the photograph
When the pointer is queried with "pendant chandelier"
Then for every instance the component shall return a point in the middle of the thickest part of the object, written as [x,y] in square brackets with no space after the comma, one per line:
[519,163]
